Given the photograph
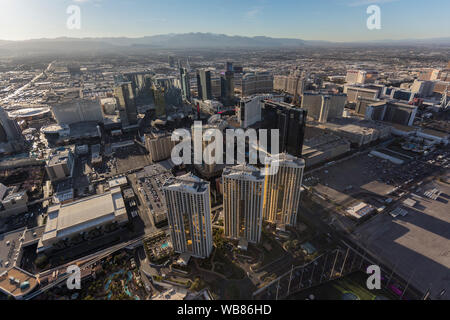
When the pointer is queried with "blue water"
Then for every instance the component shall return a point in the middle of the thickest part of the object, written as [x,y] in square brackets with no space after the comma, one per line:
[164,245]
[130,276]
[110,279]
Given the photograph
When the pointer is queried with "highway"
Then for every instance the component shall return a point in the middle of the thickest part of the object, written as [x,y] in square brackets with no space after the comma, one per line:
[15,93]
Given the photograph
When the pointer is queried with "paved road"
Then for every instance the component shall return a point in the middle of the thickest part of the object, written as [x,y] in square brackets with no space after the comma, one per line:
[88,261]
[346,240]
[19,90]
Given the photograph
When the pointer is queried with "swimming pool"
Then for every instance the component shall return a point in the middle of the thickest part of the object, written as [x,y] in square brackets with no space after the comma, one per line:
[127,291]
[164,245]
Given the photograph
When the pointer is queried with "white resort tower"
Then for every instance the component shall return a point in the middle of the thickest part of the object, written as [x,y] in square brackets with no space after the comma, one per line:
[189,215]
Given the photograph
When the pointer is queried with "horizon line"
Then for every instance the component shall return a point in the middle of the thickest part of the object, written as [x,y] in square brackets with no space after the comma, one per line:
[228,35]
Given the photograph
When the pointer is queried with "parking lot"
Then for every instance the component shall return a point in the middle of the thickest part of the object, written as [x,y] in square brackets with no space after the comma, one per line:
[130,158]
[416,244]
[359,174]
[344,181]
[28,219]
[149,184]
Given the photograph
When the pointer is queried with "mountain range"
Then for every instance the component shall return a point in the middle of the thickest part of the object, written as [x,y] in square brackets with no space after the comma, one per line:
[181,41]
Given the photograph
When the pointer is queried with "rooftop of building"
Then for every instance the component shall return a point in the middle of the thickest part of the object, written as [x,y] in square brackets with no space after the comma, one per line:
[118,182]
[287,160]
[243,171]
[280,104]
[187,183]
[17,282]
[435,133]
[58,97]
[12,193]
[171,294]
[401,104]
[378,103]
[67,219]
[156,134]
[28,112]
[59,156]
[359,88]
[325,93]
[402,127]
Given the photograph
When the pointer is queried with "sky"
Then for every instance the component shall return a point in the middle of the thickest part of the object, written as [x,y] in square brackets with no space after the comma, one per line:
[331,20]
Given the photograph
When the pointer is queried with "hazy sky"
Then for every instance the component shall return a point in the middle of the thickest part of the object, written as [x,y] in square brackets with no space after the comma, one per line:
[336,20]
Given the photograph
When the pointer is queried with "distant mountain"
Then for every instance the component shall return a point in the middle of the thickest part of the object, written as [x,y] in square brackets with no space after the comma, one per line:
[169,41]
[70,46]
[210,40]
[177,41]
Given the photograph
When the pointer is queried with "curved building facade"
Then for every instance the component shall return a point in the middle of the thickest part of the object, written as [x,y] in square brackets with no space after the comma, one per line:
[189,215]
[243,188]
[283,190]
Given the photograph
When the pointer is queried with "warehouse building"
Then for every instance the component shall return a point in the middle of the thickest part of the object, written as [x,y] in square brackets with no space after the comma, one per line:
[66,221]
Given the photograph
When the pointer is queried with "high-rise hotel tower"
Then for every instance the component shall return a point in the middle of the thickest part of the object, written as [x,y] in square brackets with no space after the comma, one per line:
[283,190]
[243,188]
[189,215]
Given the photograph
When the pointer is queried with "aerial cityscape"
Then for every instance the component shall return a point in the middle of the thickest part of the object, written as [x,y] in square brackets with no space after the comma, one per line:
[199,164]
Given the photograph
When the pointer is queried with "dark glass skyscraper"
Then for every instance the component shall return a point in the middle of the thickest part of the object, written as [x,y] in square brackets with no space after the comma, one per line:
[291,123]
[227,87]
[204,84]
[124,94]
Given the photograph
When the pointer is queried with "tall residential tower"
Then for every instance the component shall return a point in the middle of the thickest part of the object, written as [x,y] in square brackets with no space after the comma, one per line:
[189,215]
[283,190]
[243,188]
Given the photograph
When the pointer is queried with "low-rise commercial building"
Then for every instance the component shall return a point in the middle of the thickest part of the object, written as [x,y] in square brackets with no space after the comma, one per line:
[355,92]
[12,201]
[392,111]
[16,282]
[324,147]
[66,221]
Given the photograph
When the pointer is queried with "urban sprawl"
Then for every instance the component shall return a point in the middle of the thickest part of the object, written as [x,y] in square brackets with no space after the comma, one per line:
[87,176]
